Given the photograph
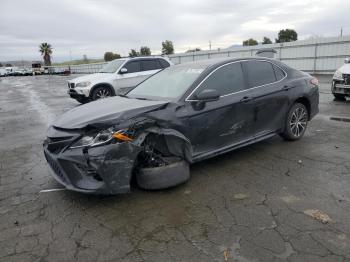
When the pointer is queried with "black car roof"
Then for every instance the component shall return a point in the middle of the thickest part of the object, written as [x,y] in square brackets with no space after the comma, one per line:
[215,62]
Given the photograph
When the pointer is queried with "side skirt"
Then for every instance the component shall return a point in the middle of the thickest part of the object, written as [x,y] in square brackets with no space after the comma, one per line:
[228,148]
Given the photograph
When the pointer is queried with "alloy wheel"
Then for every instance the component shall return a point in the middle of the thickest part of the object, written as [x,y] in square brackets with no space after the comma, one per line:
[298,121]
[103,93]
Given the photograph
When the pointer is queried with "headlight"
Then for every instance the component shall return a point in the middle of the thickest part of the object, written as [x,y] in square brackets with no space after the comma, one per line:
[338,75]
[83,84]
[103,137]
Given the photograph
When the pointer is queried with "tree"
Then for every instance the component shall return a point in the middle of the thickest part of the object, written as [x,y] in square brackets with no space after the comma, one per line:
[133,53]
[266,41]
[286,35]
[109,56]
[250,42]
[167,47]
[8,65]
[46,51]
[193,50]
[145,51]
[1,65]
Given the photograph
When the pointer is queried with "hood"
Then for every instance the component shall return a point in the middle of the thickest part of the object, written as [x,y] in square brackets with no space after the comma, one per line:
[104,111]
[98,77]
[345,69]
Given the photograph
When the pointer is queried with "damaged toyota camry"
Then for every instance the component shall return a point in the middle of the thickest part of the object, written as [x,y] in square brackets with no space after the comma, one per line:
[183,114]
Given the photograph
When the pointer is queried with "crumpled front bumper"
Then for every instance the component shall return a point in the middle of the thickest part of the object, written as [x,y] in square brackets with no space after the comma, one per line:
[105,169]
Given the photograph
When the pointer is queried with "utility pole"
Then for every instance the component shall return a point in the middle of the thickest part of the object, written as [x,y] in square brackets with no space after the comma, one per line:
[341,31]
[209,45]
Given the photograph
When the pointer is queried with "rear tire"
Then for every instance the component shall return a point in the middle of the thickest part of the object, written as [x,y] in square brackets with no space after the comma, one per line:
[101,92]
[296,122]
[339,96]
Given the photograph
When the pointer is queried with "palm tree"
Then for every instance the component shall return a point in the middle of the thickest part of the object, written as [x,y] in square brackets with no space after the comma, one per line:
[46,50]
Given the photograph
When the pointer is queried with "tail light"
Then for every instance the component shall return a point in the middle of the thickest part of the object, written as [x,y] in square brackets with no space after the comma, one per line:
[314,82]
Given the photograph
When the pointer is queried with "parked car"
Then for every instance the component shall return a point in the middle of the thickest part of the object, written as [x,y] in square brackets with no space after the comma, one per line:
[3,72]
[183,114]
[22,72]
[341,81]
[117,77]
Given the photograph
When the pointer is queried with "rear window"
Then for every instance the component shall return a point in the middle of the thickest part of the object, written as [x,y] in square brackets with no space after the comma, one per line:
[279,73]
[259,73]
[164,63]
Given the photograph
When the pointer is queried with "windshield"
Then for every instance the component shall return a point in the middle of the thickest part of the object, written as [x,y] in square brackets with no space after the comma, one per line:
[112,66]
[168,84]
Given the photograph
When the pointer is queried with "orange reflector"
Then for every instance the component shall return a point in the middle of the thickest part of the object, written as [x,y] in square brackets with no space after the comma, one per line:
[122,137]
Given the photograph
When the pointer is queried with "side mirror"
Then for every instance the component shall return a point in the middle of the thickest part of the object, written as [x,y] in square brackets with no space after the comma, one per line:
[123,70]
[208,95]
[347,60]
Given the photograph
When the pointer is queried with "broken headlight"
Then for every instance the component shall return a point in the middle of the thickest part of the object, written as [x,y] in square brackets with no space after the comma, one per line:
[101,138]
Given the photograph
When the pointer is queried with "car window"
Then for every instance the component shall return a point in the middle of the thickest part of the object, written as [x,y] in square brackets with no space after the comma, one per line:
[259,73]
[226,80]
[279,73]
[133,67]
[169,84]
[150,65]
[164,63]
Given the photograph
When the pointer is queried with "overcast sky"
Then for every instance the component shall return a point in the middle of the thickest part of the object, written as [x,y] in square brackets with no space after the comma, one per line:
[93,27]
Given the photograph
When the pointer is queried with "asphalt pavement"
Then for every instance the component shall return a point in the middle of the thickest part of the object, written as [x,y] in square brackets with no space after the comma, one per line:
[271,201]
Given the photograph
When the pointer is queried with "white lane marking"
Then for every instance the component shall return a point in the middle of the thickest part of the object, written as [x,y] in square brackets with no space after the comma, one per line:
[52,190]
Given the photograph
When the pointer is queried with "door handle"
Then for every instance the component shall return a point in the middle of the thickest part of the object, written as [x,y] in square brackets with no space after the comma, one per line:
[246,99]
[287,87]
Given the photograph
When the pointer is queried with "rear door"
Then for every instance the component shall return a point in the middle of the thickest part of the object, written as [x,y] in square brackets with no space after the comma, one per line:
[219,124]
[149,67]
[271,101]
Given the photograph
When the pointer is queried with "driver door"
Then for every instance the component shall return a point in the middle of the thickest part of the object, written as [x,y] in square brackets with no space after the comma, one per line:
[225,122]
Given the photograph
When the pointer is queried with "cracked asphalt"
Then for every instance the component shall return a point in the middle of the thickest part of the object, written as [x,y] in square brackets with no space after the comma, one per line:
[247,205]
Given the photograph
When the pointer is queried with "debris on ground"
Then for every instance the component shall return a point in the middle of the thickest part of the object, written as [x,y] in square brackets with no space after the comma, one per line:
[300,162]
[318,215]
[240,196]
[226,255]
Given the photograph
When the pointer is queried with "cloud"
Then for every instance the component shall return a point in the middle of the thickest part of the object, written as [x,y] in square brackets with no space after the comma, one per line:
[93,27]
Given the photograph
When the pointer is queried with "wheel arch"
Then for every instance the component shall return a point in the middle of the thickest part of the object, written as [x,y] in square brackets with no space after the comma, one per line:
[306,102]
[100,85]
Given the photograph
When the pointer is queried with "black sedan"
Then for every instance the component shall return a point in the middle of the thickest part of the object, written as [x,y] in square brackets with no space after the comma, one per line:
[183,114]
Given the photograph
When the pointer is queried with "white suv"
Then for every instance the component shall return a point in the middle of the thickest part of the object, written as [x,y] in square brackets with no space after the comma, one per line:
[117,77]
[341,81]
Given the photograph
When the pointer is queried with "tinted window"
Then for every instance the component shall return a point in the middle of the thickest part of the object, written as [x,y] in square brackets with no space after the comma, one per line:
[278,72]
[164,63]
[226,80]
[150,65]
[133,66]
[259,73]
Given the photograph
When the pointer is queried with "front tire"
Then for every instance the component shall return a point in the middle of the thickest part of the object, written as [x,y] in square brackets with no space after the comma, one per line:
[162,177]
[101,92]
[296,122]
[82,100]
